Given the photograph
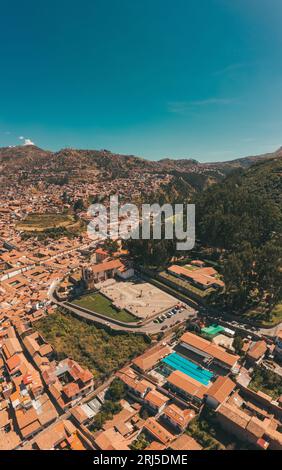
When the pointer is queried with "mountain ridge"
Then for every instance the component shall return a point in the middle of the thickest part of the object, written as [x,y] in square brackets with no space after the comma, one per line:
[81,163]
[20,150]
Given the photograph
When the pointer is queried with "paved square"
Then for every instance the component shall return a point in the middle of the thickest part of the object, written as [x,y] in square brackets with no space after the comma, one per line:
[138,297]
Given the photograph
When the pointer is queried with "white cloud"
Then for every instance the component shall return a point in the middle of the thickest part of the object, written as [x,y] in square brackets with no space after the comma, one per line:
[28,142]
[180,107]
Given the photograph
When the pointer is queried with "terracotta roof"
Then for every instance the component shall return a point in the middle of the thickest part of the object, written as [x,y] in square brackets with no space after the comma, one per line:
[111,440]
[106,266]
[100,251]
[234,414]
[11,346]
[197,262]
[256,427]
[179,416]
[71,389]
[45,349]
[24,418]
[4,418]
[13,362]
[78,372]
[85,376]
[210,349]
[76,442]
[257,350]
[32,419]
[264,395]
[262,443]
[187,384]
[79,414]
[203,276]
[155,446]
[30,429]
[156,398]
[147,360]
[122,417]
[185,442]
[130,378]
[52,436]
[158,431]
[221,389]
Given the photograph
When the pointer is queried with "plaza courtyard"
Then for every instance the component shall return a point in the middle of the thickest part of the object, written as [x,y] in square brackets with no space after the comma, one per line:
[141,299]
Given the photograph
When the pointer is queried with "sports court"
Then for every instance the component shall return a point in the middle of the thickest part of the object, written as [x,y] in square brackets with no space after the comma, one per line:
[212,330]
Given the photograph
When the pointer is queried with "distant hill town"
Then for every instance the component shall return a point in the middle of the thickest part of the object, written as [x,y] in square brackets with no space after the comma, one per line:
[74,164]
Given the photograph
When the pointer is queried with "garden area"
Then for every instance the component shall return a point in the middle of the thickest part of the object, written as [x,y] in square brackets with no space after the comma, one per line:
[111,405]
[41,222]
[54,226]
[100,304]
[266,381]
[205,430]
[140,443]
[100,351]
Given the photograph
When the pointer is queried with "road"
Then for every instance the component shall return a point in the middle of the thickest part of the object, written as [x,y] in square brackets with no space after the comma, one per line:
[155,328]
[246,328]
[150,328]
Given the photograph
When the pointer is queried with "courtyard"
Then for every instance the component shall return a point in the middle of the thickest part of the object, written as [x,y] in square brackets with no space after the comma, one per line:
[141,299]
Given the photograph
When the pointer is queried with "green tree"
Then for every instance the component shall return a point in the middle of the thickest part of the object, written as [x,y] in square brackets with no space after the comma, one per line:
[78,205]
[116,391]
[238,344]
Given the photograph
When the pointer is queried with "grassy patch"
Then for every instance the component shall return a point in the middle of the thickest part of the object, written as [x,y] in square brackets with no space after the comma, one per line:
[189,267]
[42,222]
[260,316]
[100,304]
[102,352]
[277,314]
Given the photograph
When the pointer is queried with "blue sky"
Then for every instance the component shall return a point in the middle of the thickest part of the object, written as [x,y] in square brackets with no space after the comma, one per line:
[155,78]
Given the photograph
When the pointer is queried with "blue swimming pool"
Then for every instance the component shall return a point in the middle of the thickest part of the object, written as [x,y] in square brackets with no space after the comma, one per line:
[176,362]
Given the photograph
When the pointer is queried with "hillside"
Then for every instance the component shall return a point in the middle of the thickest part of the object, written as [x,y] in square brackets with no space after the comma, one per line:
[72,165]
[239,226]
[241,218]
[246,206]
[247,161]
[22,157]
